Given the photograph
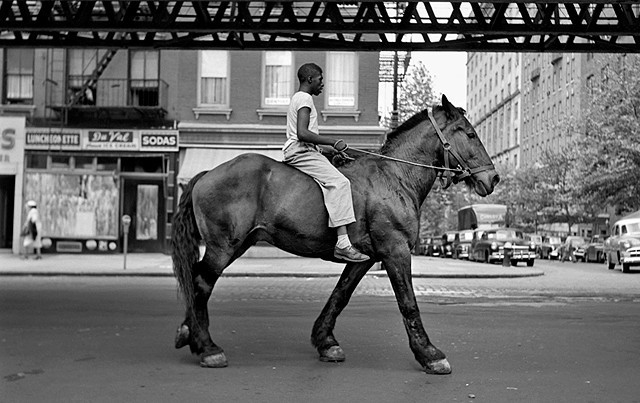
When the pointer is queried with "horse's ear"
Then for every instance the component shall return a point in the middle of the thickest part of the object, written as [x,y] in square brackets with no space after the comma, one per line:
[448,106]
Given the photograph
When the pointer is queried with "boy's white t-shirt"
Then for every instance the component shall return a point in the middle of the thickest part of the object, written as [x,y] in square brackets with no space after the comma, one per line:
[299,100]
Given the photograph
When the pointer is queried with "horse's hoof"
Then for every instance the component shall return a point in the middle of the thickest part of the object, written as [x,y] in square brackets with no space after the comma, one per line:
[214,361]
[439,367]
[182,336]
[332,354]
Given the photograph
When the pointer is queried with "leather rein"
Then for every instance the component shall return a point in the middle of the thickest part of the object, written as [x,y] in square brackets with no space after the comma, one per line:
[446,174]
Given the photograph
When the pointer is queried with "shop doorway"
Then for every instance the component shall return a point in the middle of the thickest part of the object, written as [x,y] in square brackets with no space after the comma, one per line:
[143,201]
[7,195]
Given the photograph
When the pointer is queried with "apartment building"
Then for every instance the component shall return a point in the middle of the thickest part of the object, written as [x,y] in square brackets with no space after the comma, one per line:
[93,135]
[494,104]
[554,94]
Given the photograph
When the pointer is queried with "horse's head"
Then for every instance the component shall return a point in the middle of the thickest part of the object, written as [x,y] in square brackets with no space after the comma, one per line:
[462,148]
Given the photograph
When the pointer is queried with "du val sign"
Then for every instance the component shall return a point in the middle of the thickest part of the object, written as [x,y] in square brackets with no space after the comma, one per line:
[110,140]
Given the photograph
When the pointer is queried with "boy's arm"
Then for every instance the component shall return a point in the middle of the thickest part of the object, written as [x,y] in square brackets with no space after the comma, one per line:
[306,135]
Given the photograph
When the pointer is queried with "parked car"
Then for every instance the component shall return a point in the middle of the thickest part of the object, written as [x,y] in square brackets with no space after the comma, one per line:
[477,234]
[550,247]
[623,246]
[462,244]
[573,248]
[490,247]
[536,239]
[433,246]
[595,249]
[447,243]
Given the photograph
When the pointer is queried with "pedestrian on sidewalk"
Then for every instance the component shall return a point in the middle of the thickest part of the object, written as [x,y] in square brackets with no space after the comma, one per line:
[301,151]
[567,253]
[32,232]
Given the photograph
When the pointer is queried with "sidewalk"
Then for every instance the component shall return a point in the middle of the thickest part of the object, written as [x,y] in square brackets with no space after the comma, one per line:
[159,265]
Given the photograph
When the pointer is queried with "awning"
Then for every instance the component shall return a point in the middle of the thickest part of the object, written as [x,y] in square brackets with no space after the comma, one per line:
[196,160]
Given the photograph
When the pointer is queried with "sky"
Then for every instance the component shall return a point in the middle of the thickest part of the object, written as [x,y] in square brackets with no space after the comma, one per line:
[448,72]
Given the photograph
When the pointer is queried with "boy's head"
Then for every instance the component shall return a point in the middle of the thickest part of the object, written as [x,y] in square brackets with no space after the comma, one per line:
[310,76]
[308,70]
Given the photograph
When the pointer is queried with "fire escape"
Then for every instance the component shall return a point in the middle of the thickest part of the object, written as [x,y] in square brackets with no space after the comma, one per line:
[103,99]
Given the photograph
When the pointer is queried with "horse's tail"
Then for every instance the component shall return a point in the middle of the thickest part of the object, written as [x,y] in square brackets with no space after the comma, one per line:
[185,239]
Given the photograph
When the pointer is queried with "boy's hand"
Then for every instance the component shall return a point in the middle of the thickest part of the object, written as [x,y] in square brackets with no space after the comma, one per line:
[340,145]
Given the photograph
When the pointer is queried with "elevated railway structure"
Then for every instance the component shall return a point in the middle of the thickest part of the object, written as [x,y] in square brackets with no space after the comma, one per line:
[540,26]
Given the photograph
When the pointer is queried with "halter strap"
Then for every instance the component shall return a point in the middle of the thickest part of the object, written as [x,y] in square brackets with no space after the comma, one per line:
[446,176]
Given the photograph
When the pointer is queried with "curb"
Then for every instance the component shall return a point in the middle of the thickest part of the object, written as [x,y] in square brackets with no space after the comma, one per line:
[267,275]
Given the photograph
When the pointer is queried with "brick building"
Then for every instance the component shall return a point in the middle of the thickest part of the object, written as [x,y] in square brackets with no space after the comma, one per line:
[95,134]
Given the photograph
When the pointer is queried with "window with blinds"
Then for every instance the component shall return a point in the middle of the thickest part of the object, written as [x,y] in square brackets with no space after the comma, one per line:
[278,78]
[341,78]
[214,78]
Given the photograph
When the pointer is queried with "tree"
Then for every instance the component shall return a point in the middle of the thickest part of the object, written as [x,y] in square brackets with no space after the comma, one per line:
[611,157]
[414,94]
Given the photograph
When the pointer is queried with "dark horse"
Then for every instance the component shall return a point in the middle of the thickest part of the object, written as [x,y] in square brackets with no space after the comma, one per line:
[255,198]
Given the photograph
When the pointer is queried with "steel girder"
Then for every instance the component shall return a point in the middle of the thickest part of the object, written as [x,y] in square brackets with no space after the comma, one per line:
[541,26]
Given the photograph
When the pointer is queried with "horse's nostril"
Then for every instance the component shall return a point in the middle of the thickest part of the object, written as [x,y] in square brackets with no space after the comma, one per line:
[495,180]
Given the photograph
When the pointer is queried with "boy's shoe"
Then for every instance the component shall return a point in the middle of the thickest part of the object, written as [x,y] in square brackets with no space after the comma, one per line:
[350,254]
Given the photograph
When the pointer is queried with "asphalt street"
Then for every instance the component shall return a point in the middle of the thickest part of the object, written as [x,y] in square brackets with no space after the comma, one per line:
[570,335]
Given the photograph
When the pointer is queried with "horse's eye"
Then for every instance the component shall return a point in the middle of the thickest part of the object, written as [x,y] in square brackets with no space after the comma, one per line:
[471,133]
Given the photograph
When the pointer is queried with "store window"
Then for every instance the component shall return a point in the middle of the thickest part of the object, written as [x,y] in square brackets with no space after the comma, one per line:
[19,76]
[75,205]
[342,78]
[36,161]
[60,162]
[214,78]
[278,78]
[144,75]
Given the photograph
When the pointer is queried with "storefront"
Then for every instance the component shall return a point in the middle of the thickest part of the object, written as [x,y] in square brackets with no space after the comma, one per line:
[86,180]
[12,134]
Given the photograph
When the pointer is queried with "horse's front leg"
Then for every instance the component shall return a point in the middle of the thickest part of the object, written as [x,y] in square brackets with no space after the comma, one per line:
[194,331]
[398,267]
[322,334]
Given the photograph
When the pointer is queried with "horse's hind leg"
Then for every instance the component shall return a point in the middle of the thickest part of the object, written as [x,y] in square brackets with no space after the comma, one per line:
[322,334]
[195,328]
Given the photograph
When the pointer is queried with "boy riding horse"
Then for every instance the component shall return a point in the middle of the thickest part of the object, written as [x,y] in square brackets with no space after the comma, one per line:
[301,151]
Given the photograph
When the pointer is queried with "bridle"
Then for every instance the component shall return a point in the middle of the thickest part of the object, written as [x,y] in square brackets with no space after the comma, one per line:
[446,174]
[463,169]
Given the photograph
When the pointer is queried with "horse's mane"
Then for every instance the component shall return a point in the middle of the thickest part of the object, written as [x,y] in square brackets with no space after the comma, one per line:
[392,137]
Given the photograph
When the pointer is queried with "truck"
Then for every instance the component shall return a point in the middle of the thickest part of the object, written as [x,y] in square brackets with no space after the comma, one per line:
[482,216]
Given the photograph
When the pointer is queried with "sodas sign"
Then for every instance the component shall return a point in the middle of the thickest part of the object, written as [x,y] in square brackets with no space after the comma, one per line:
[158,141]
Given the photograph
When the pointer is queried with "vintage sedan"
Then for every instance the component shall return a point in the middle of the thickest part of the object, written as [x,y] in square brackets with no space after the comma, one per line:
[550,247]
[462,244]
[434,247]
[491,246]
[623,246]
[477,234]
[594,252]
[573,248]
[447,243]
[536,239]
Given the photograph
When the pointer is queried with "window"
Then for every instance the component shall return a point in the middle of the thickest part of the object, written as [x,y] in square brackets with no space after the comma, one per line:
[82,64]
[342,68]
[19,76]
[144,73]
[278,78]
[214,78]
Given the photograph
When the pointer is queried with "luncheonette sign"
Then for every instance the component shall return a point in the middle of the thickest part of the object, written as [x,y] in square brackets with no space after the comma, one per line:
[101,140]
[45,139]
